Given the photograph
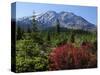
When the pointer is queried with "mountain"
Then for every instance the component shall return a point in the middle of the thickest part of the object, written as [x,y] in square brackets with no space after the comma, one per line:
[66,20]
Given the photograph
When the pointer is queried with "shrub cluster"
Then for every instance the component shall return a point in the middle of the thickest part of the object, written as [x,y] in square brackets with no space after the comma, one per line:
[70,57]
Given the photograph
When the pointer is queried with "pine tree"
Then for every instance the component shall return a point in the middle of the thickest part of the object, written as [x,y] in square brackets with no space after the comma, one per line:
[34,26]
[48,36]
[58,26]
[72,39]
[19,33]
[28,30]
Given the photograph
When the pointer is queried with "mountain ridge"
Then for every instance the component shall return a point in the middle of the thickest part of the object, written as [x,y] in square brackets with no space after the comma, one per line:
[66,19]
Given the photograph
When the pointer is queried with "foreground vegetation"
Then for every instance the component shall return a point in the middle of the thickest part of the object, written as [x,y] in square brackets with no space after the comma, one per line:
[54,49]
[40,51]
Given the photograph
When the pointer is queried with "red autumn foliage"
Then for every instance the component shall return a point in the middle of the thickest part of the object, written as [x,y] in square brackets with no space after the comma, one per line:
[69,57]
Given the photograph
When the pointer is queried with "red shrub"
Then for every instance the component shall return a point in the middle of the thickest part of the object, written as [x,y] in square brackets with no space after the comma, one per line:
[70,57]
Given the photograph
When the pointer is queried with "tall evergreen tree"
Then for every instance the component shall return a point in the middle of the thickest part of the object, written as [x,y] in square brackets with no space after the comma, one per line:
[28,30]
[72,39]
[34,26]
[58,26]
[19,33]
[48,36]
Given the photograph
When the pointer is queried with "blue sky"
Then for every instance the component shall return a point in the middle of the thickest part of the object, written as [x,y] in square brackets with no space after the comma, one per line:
[26,9]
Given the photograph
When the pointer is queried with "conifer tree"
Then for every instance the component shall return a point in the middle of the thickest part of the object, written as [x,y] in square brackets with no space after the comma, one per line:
[72,38]
[19,33]
[29,30]
[48,36]
[34,26]
[58,26]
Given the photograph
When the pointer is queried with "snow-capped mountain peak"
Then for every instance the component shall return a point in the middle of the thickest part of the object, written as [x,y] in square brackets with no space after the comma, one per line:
[66,19]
